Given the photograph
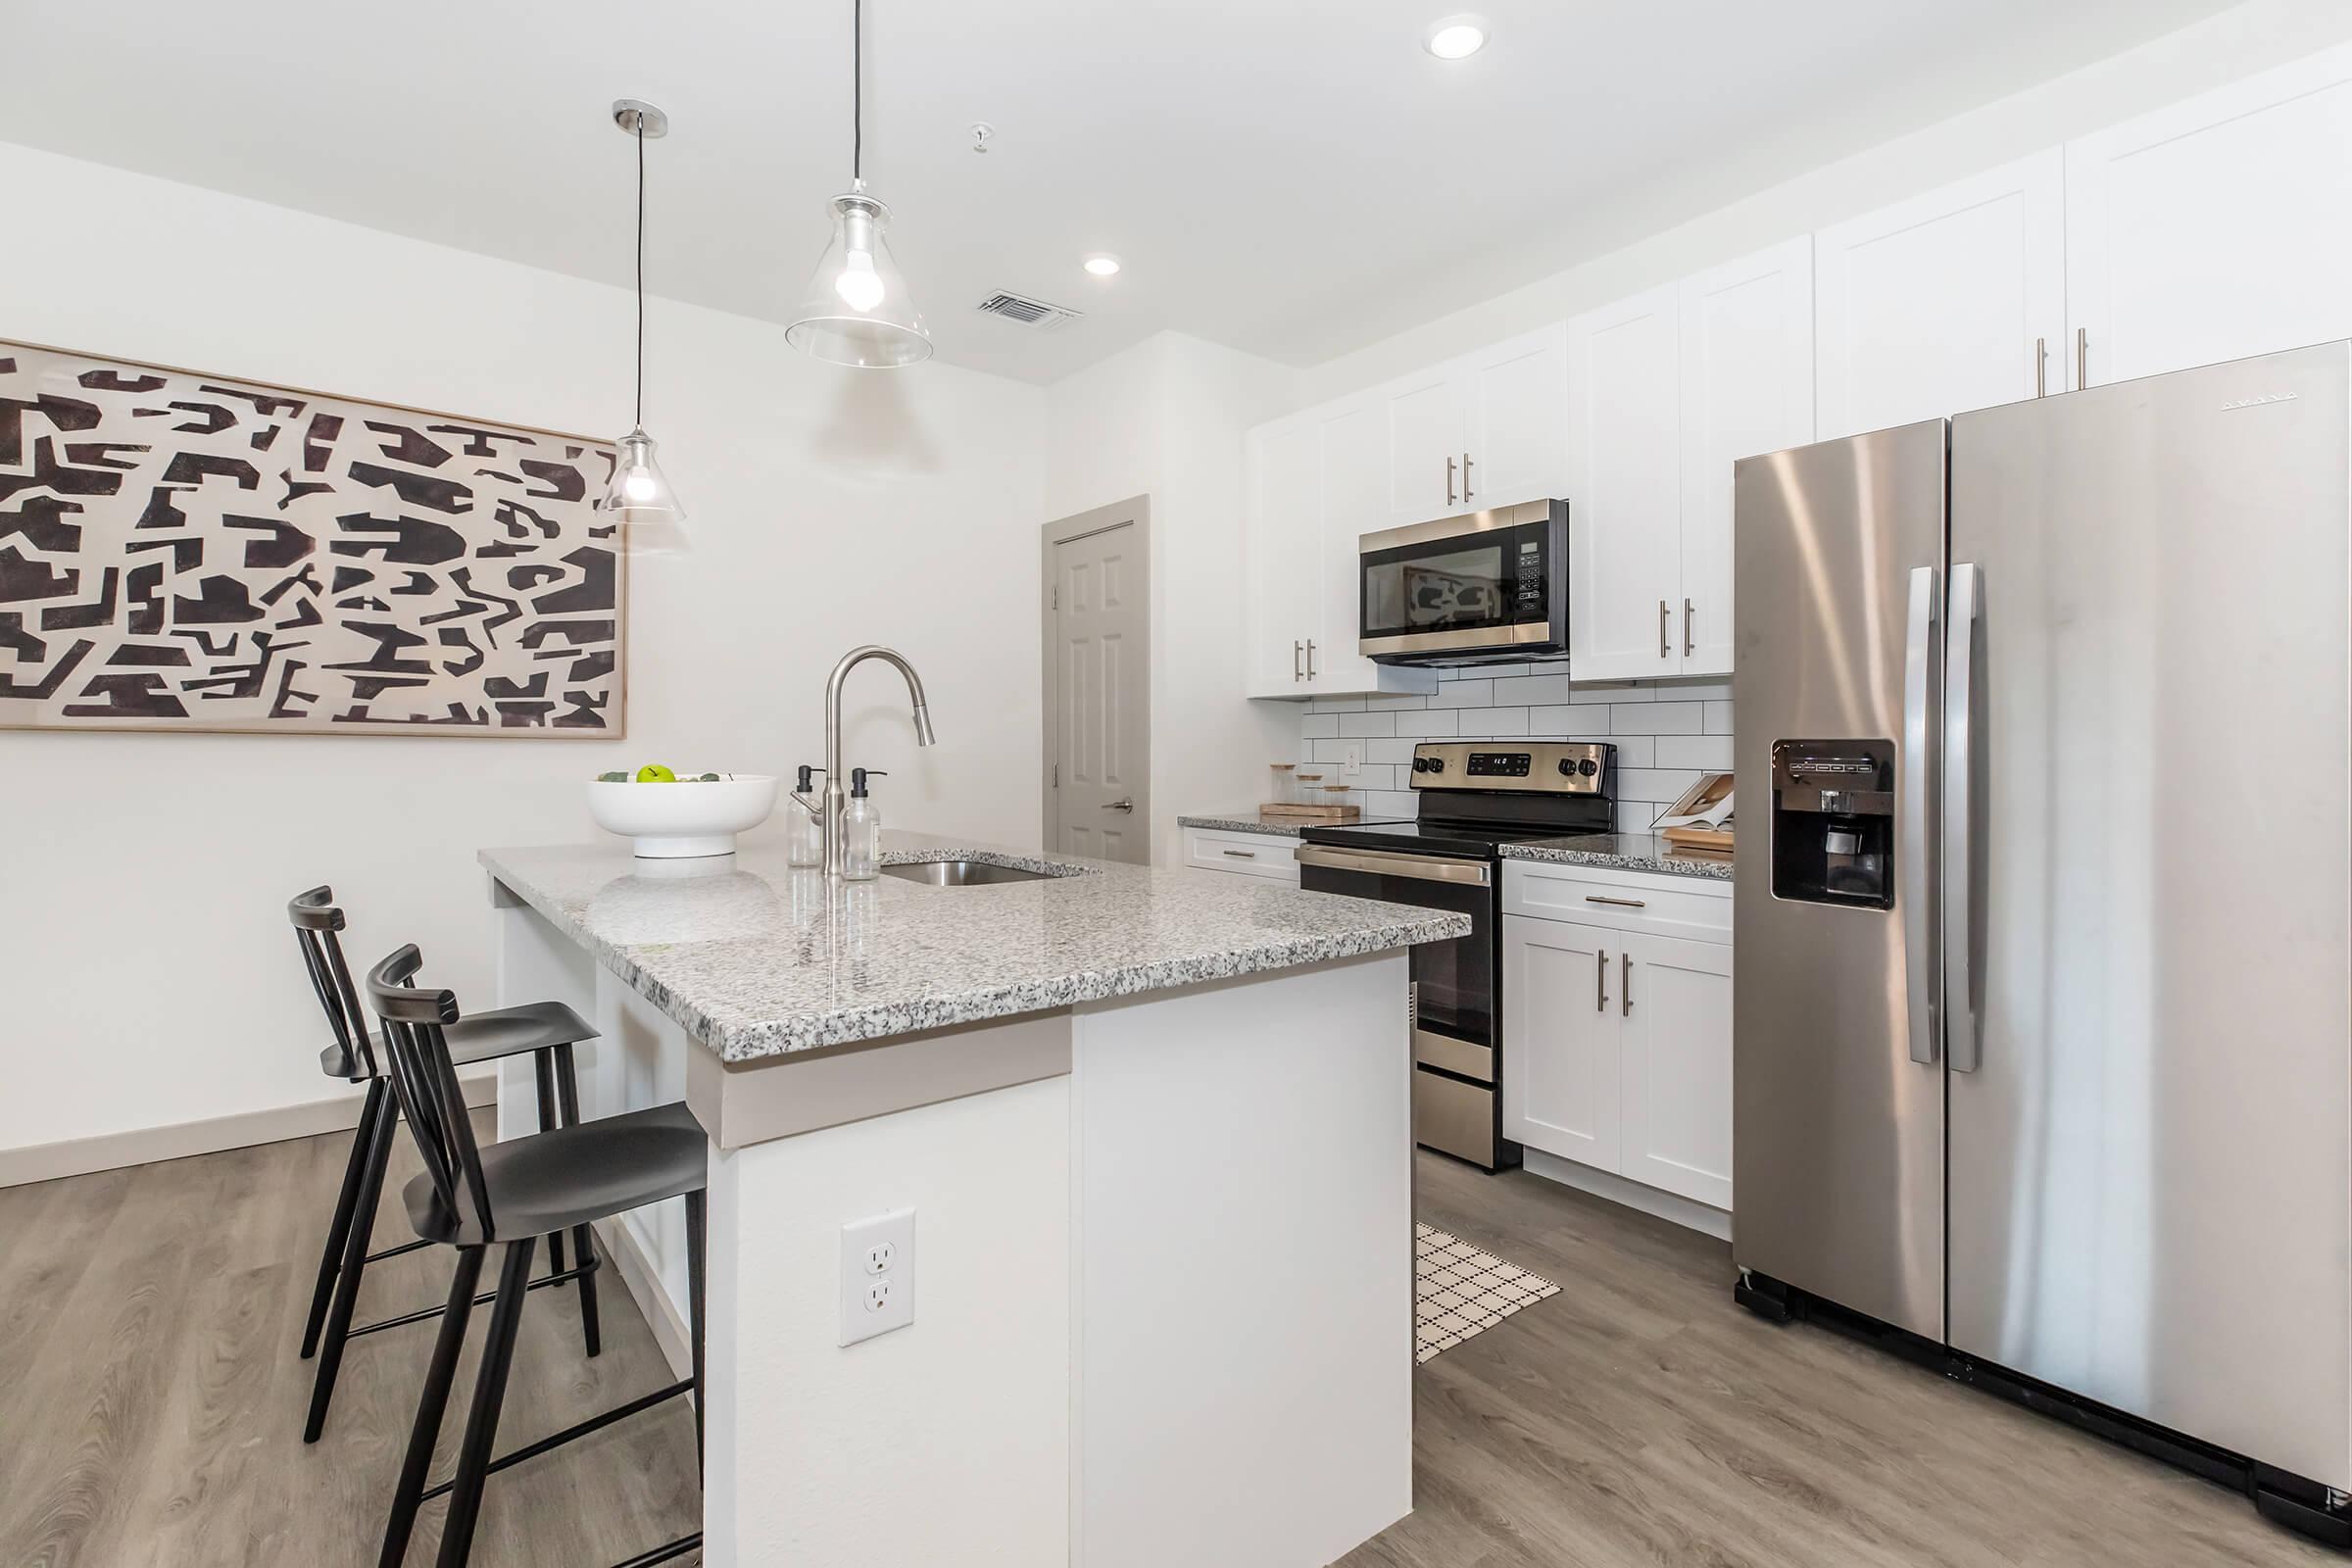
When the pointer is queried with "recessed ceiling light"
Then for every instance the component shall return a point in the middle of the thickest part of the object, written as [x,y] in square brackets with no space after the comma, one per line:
[1102,266]
[1455,38]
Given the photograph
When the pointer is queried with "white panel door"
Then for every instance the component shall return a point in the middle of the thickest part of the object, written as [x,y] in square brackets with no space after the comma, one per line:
[1286,536]
[1100,772]
[1425,448]
[1515,447]
[1559,1037]
[1746,387]
[1625,488]
[2216,228]
[1675,1065]
[1353,447]
[1941,303]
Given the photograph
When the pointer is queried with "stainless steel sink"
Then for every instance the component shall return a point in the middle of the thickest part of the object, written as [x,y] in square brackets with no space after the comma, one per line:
[961,873]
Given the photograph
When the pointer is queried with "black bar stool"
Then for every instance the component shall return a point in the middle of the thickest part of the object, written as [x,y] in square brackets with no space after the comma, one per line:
[546,1029]
[510,1195]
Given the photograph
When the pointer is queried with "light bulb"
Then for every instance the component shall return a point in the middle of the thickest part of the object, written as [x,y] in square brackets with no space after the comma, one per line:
[1455,38]
[640,485]
[858,285]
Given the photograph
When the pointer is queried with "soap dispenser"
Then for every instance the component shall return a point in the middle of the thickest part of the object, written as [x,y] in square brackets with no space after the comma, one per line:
[861,830]
[804,840]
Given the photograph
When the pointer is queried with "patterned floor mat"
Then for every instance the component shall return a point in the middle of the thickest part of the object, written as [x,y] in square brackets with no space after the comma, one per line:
[1459,1290]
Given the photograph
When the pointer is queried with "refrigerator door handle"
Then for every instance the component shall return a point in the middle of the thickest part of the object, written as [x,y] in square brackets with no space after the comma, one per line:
[1963,1024]
[1916,807]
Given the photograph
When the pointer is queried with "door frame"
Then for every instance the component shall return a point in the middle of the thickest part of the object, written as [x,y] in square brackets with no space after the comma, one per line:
[1135,511]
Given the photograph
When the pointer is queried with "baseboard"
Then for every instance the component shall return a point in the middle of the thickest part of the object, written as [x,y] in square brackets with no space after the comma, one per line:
[670,1330]
[1670,1207]
[144,1145]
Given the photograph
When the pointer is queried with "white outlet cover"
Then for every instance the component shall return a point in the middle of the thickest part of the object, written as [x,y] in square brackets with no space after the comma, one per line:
[1352,760]
[877,1275]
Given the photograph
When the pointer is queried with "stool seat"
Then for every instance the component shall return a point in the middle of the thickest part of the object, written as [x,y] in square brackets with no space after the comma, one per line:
[550,1182]
[477,1037]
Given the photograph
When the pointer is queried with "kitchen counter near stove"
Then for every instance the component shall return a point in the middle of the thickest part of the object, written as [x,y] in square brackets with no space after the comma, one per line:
[1621,852]
[1247,822]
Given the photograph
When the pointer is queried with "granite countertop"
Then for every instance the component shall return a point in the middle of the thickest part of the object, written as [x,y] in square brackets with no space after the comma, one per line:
[1622,851]
[1241,822]
[755,959]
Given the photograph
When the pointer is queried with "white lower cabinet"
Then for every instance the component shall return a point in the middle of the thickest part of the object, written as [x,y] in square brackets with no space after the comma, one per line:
[1243,853]
[1617,1040]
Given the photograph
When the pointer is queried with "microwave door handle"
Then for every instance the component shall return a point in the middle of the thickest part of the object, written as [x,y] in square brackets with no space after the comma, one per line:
[1963,1023]
[1916,808]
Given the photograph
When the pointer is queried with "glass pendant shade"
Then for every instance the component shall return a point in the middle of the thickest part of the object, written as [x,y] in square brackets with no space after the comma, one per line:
[855,310]
[641,499]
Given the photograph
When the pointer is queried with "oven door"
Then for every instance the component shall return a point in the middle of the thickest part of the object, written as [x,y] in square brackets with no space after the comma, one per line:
[1488,583]
[1454,981]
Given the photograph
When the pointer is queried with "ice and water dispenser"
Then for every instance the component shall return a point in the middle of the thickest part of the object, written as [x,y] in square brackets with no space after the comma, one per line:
[1832,822]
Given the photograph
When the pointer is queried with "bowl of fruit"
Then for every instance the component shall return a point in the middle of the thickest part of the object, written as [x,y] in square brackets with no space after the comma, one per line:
[675,816]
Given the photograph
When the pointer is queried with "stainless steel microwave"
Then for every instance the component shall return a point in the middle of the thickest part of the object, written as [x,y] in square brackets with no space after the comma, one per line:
[1486,585]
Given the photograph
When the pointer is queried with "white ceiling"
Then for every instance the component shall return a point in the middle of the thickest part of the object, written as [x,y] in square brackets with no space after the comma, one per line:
[1292,177]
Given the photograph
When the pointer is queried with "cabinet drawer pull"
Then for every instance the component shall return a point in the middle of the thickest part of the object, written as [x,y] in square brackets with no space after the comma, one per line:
[1600,982]
[1625,985]
[1623,903]
[1243,855]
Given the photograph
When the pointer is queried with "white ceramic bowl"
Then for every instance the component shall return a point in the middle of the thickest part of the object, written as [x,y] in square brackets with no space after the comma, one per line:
[684,820]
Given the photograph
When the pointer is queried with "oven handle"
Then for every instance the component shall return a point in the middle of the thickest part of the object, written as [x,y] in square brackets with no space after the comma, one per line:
[1419,867]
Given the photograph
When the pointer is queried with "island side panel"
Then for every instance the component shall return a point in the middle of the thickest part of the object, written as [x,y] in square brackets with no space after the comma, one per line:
[536,962]
[945,1441]
[1245,1286]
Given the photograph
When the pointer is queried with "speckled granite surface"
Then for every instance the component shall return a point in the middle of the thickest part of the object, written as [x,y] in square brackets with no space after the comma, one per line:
[755,959]
[1241,822]
[1622,851]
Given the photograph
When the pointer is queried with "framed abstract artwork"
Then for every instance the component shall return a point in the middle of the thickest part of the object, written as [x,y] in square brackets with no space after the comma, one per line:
[189,551]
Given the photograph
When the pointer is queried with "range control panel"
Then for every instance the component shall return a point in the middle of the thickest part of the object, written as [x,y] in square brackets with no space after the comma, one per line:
[1556,767]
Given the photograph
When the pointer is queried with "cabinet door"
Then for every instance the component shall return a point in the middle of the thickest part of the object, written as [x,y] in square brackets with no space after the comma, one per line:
[1559,1037]
[1675,1065]
[1941,303]
[1353,447]
[1516,444]
[1746,387]
[2216,228]
[1625,489]
[1425,448]
[1286,537]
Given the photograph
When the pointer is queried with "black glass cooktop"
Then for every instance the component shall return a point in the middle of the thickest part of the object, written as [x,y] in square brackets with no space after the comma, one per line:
[1440,836]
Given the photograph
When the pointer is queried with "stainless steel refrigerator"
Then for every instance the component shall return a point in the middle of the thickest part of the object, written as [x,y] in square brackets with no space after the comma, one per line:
[2043,907]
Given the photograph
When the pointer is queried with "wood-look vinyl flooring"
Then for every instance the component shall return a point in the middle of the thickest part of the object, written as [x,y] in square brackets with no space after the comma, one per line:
[151,1406]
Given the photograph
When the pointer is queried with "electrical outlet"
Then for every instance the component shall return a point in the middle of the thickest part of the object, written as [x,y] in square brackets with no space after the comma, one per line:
[877,1275]
[1351,759]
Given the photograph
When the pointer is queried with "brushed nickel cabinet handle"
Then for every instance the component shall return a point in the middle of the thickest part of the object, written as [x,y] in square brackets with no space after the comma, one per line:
[1243,855]
[1625,985]
[1689,637]
[1600,982]
[2081,357]
[1465,477]
[1296,649]
[1450,501]
[1623,903]
[1665,648]
[1310,659]
[2042,366]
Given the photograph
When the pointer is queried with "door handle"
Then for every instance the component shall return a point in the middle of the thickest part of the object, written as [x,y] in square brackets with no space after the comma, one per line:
[1295,648]
[1963,1023]
[1465,477]
[1310,659]
[1625,985]
[1450,501]
[1917,809]
[1127,805]
[1665,649]
[2042,366]
[1689,636]
[1600,982]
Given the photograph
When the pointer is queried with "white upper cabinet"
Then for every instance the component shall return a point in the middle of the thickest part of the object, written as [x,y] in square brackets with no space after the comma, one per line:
[1515,440]
[1425,448]
[1354,450]
[1746,387]
[1625,488]
[2217,228]
[1285,560]
[1943,303]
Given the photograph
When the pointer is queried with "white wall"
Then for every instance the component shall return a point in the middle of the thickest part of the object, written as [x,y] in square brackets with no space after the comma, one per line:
[2235,43]
[1166,419]
[149,976]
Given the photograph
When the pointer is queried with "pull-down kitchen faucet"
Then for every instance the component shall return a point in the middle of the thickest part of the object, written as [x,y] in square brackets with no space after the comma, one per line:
[828,815]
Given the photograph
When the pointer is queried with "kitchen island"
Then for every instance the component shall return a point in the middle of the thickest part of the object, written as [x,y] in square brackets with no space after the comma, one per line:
[1155,1129]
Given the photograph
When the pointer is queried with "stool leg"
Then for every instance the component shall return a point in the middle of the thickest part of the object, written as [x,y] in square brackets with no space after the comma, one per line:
[568,1096]
[697,1252]
[330,1257]
[354,1263]
[489,1392]
[431,1405]
[543,1072]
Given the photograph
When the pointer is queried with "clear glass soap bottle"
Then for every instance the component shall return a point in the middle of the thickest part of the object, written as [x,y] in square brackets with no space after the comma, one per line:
[805,833]
[861,830]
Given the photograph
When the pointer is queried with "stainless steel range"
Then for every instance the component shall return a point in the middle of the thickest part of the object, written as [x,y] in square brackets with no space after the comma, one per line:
[1471,798]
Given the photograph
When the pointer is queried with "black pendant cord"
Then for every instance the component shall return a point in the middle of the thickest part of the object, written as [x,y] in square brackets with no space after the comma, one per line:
[639,422]
[858,93]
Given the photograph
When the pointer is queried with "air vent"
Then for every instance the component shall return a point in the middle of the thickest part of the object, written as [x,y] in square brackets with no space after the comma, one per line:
[1029,313]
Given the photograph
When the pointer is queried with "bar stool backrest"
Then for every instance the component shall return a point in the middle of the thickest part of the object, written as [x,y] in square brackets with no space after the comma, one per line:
[426,1082]
[316,920]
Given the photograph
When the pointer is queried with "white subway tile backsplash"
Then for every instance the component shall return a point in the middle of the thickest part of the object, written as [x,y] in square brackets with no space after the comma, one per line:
[1464,694]
[1390,701]
[1400,751]
[1659,784]
[1713,753]
[1533,689]
[1695,691]
[1390,802]
[1562,720]
[1318,726]
[1633,750]
[1718,719]
[1336,705]
[1360,725]
[1438,725]
[1491,723]
[1645,718]
[1623,691]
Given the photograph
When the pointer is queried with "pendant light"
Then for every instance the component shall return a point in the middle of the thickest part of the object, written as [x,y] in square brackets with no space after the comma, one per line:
[855,310]
[640,498]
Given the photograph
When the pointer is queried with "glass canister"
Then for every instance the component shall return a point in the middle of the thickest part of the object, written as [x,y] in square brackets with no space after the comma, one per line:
[1286,783]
